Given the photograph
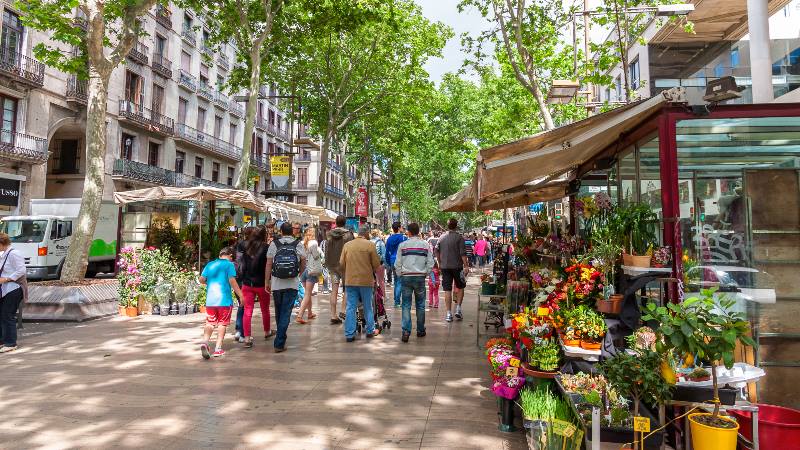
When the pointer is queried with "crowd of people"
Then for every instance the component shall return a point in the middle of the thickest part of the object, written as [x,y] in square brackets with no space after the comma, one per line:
[287,265]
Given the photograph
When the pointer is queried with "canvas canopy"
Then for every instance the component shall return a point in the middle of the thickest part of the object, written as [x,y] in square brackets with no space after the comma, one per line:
[538,168]
[318,212]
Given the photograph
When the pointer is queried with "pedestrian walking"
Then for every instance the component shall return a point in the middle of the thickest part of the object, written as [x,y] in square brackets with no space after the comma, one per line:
[414,262]
[237,261]
[481,250]
[337,238]
[219,277]
[380,247]
[12,291]
[434,281]
[469,246]
[254,263]
[311,275]
[392,243]
[286,260]
[359,261]
[452,256]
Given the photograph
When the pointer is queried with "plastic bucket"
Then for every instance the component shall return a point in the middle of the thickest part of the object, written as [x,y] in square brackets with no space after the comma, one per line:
[711,438]
[778,427]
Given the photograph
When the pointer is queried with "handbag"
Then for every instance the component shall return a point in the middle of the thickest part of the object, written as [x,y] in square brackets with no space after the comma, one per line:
[315,263]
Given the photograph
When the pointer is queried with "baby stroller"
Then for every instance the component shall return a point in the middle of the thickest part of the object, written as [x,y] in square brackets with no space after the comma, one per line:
[381,318]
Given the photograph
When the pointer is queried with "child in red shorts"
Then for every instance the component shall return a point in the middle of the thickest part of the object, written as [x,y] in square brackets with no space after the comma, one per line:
[219,277]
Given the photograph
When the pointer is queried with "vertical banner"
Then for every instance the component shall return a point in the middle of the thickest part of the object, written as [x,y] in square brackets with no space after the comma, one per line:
[395,212]
[280,167]
[362,202]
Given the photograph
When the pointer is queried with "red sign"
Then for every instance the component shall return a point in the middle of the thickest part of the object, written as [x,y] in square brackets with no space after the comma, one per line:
[362,202]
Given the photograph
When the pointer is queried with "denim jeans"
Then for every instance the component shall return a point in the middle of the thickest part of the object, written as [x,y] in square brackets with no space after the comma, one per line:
[8,317]
[413,285]
[284,302]
[240,317]
[398,287]
[354,294]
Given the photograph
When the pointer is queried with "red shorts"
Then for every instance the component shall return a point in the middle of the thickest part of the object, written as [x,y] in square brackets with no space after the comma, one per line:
[218,315]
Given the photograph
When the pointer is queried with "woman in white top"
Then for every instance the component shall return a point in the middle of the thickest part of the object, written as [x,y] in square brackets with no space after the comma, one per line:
[12,268]
[311,276]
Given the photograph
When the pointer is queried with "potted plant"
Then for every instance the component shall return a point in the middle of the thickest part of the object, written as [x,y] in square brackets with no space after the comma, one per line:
[698,374]
[638,223]
[639,376]
[710,328]
[605,254]
[540,411]
[592,327]
[545,357]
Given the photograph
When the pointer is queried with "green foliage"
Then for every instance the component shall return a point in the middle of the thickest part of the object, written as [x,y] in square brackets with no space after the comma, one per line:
[702,326]
[637,375]
[162,234]
[638,225]
[541,404]
[545,356]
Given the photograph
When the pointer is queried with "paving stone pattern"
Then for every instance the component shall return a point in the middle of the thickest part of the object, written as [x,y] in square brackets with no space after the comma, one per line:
[142,383]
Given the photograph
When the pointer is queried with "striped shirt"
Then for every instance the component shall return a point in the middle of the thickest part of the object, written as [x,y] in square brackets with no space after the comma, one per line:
[414,258]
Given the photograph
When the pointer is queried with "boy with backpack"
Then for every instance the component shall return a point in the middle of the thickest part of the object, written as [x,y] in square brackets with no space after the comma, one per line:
[286,260]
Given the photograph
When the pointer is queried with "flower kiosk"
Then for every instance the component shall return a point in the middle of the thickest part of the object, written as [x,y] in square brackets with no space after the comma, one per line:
[665,296]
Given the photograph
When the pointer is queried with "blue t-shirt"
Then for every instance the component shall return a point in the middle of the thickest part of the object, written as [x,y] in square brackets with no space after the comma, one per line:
[392,243]
[218,288]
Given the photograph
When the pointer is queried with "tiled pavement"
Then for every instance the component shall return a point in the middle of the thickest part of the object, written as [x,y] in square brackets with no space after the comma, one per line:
[142,383]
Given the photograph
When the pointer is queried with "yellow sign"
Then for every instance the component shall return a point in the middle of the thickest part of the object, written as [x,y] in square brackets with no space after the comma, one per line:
[641,424]
[512,371]
[280,165]
[563,428]
[513,362]
[542,311]
[246,219]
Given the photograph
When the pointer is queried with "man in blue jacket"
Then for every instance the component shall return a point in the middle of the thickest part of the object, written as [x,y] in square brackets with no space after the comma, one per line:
[392,243]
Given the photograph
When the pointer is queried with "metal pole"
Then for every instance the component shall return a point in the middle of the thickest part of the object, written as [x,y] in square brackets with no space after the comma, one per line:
[200,236]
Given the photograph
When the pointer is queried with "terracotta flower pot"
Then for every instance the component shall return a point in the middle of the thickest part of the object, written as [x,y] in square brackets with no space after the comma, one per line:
[627,259]
[131,311]
[591,345]
[202,308]
[572,342]
[641,261]
[611,306]
[121,310]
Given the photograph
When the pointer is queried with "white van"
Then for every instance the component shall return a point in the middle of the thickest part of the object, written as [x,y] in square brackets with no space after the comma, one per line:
[43,237]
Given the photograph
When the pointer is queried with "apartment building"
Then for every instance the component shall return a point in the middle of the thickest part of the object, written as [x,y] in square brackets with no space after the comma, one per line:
[306,169]
[169,123]
[719,47]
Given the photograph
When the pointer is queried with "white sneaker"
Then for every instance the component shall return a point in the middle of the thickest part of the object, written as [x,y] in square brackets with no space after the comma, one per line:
[459,316]
[448,317]
[237,335]
[241,339]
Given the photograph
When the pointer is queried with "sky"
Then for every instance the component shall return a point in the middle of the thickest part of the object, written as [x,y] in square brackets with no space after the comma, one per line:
[446,11]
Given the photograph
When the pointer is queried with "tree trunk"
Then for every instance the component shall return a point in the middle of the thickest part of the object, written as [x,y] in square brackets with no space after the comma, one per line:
[547,118]
[623,54]
[77,258]
[715,385]
[323,162]
[250,119]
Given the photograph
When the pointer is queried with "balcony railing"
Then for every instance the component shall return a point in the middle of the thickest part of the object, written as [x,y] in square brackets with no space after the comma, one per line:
[162,65]
[206,49]
[262,91]
[77,90]
[139,53]
[145,173]
[20,67]
[305,186]
[221,100]
[145,117]
[334,190]
[261,162]
[208,142]
[186,80]
[236,109]
[206,92]
[164,16]
[223,61]
[189,35]
[23,147]
[261,123]
[334,165]
[302,157]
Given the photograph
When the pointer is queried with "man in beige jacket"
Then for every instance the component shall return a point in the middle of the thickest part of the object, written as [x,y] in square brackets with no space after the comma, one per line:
[358,263]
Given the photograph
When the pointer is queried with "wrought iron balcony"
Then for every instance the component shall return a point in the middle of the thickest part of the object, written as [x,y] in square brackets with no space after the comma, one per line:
[187,81]
[77,90]
[139,53]
[236,109]
[164,16]
[334,165]
[183,180]
[146,118]
[189,35]
[21,68]
[262,162]
[261,123]
[223,61]
[221,100]
[208,142]
[145,173]
[302,157]
[23,147]
[206,49]
[206,92]
[162,66]
[334,191]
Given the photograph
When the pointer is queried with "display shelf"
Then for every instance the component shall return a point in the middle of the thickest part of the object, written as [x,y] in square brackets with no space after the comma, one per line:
[635,271]
[580,353]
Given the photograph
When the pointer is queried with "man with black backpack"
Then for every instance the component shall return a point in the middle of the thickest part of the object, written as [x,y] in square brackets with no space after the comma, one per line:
[286,260]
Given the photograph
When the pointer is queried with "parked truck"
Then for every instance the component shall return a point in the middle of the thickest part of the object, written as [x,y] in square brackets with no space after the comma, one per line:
[44,237]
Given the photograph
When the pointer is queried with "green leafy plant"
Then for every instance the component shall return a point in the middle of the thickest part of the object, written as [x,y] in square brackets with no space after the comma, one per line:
[590,324]
[162,234]
[605,254]
[702,326]
[638,227]
[546,356]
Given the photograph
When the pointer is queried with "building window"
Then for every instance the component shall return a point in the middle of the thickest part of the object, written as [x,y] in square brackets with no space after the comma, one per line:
[230,176]
[232,134]
[134,89]
[201,118]
[198,167]
[66,157]
[9,123]
[152,154]
[271,117]
[183,106]
[217,127]
[157,105]
[301,200]
[186,62]
[633,71]
[215,172]
[161,46]
[11,41]
[734,58]
[180,159]
[618,87]
[126,146]
[187,22]
[302,178]
[204,76]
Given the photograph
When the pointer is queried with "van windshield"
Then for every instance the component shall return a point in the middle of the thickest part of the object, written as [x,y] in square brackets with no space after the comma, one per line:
[24,231]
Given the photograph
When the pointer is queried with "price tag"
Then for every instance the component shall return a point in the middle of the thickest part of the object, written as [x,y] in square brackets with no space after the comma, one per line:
[641,424]
[512,371]
[513,362]
[543,311]
[563,428]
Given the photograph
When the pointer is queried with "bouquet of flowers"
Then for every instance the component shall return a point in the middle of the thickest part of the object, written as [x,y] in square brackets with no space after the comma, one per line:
[506,383]
[583,283]
[662,257]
